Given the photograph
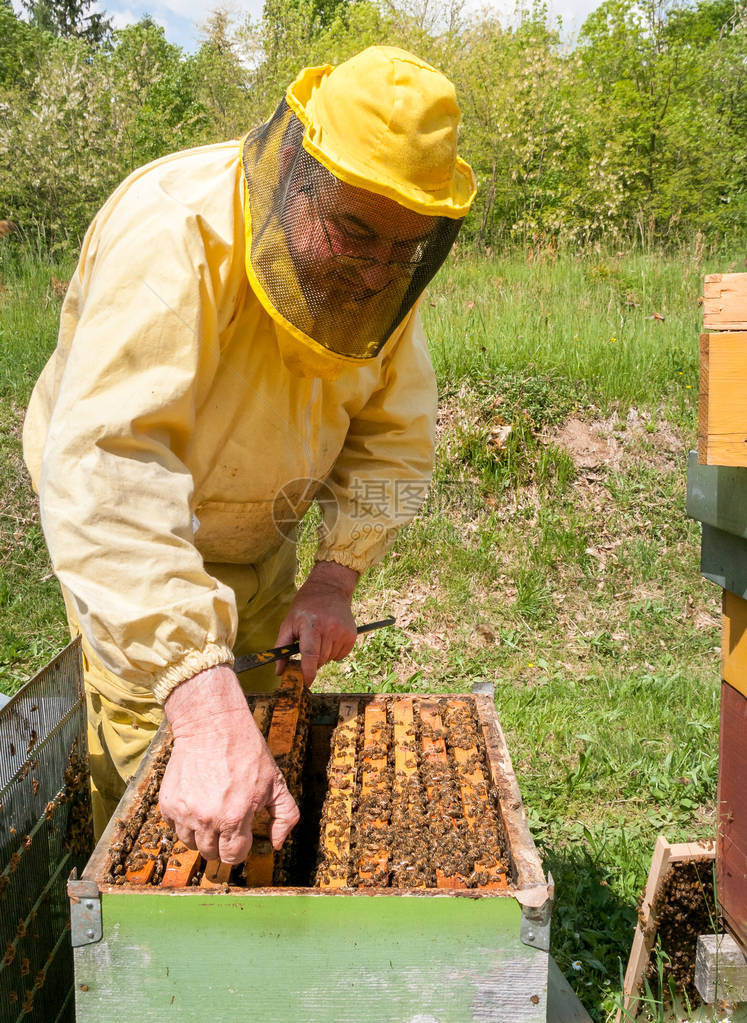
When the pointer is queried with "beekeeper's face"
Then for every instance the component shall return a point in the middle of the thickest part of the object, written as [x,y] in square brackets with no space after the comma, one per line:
[350,246]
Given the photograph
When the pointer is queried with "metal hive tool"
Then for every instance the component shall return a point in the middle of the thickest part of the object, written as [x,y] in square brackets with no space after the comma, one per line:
[45,833]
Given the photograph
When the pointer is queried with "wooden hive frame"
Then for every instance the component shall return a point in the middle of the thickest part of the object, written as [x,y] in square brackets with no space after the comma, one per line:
[664,857]
[435,757]
[152,861]
[464,952]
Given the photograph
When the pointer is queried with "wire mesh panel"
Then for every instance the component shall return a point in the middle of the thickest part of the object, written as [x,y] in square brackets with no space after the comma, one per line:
[45,831]
[340,264]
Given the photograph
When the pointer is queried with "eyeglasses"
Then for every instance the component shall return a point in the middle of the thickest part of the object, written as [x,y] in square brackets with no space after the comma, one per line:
[411,251]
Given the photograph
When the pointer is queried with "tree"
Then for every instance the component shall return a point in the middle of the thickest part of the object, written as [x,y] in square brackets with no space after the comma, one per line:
[222,80]
[69,19]
[639,129]
[657,73]
[21,47]
[155,107]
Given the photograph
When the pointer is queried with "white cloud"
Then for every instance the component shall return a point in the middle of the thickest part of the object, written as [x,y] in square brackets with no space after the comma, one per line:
[572,12]
[198,11]
[121,19]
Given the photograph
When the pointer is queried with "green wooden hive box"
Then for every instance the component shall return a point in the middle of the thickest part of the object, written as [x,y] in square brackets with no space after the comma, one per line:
[301,954]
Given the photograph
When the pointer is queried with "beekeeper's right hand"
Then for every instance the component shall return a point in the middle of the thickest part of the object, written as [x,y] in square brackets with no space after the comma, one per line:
[221,772]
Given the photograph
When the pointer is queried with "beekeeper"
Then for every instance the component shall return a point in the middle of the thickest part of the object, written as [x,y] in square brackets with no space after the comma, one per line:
[241,325]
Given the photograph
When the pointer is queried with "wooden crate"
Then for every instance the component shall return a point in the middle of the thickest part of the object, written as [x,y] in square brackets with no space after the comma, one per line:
[665,856]
[725,302]
[717,497]
[722,425]
[307,953]
[731,855]
[722,420]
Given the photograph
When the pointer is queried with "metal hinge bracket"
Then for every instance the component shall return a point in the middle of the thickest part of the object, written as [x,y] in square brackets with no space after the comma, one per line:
[86,926]
[535,925]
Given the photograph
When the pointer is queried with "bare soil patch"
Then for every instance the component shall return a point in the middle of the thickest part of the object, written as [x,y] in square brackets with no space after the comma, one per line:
[610,442]
[587,444]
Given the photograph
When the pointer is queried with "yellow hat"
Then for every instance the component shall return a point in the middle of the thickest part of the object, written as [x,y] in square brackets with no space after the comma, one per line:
[386,121]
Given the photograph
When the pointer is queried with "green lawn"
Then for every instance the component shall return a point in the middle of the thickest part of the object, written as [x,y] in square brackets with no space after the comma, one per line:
[553,558]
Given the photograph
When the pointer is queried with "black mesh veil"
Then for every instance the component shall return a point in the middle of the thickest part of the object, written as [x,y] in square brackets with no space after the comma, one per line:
[343,265]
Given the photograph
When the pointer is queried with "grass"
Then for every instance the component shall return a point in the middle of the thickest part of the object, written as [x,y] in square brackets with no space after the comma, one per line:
[573,587]
[585,321]
[32,619]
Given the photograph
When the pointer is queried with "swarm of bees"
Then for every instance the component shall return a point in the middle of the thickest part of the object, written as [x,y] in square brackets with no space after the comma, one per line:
[125,852]
[414,822]
[408,803]
[684,908]
[79,834]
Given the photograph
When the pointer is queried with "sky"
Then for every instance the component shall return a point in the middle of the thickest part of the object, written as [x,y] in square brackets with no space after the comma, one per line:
[181,18]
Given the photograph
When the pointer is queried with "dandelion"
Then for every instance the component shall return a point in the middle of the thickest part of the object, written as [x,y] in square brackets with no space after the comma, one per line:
[531,664]
[613,340]
[688,387]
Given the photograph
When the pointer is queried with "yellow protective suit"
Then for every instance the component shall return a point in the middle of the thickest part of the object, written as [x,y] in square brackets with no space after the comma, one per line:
[122,719]
[162,428]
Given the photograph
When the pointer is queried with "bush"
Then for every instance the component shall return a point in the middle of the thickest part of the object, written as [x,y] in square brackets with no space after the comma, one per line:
[635,135]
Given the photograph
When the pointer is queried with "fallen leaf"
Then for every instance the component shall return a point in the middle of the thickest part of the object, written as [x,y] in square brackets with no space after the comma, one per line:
[485,635]
[499,435]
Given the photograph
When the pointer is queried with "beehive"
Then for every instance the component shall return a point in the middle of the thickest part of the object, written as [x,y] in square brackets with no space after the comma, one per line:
[411,889]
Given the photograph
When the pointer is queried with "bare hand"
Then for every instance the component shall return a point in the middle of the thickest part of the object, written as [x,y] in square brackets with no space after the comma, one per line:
[221,772]
[320,618]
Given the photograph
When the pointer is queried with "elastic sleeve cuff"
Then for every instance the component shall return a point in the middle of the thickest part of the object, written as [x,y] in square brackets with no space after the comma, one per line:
[192,663]
[357,562]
